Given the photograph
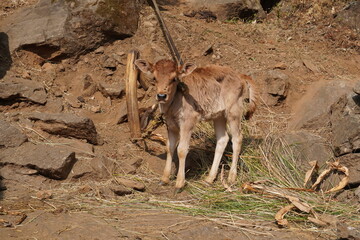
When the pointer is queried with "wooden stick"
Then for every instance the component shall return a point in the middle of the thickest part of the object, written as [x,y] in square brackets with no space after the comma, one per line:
[174,52]
[131,96]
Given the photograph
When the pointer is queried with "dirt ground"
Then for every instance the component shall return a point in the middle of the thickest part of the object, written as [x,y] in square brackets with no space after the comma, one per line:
[309,47]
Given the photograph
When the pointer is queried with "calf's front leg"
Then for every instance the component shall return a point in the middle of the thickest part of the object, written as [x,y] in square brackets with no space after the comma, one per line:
[183,149]
[173,137]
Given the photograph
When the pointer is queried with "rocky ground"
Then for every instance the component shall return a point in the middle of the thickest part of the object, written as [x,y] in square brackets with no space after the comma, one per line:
[68,169]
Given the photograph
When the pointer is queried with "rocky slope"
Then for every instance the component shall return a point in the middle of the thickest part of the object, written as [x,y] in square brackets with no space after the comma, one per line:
[63,130]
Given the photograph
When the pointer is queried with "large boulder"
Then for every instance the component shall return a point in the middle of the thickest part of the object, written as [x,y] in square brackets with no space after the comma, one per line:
[309,111]
[345,124]
[230,9]
[66,125]
[51,161]
[58,28]
[10,136]
[22,90]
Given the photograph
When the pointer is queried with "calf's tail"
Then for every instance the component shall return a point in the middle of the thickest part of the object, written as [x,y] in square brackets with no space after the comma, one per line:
[253,98]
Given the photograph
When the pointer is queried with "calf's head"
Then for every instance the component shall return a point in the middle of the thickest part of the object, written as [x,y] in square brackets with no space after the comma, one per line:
[167,76]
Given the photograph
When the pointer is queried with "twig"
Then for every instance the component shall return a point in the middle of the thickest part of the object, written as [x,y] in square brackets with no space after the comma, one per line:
[164,236]
[31,220]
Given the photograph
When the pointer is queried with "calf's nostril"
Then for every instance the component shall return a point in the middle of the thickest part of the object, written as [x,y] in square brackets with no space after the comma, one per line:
[161,96]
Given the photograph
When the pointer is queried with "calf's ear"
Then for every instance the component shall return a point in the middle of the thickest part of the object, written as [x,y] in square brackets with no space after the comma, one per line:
[186,69]
[144,66]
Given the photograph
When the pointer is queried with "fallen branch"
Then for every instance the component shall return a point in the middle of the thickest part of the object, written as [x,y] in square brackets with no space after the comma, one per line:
[5,223]
[295,201]
[157,138]
[279,216]
[309,173]
[333,166]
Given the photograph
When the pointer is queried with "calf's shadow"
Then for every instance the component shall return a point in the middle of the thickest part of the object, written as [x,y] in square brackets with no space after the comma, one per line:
[199,159]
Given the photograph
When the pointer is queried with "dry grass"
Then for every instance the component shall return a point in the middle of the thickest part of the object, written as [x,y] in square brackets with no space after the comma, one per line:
[271,160]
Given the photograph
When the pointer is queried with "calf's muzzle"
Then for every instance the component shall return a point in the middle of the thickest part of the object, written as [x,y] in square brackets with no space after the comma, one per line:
[161,97]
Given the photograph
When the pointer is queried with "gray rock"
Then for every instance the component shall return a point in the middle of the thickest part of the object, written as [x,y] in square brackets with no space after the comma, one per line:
[122,117]
[95,109]
[277,86]
[100,50]
[15,172]
[316,103]
[131,184]
[311,66]
[119,57]
[89,86]
[103,167]
[59,28]
[112,90]
[73,101]
[81,148]
[345,124]
[50,161]
[10,136]
[67,125]
[344,231]
[13,178]
[22,90]
[54,105]
[352,162]
[307,147]
[120,190]
[81,169]
[131,165]
[231,9]
[109,62]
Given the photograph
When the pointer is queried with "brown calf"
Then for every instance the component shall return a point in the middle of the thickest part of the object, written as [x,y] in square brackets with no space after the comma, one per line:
[188,94]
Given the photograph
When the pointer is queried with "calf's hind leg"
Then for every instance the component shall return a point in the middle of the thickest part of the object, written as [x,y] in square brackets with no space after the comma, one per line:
[222,139]
[234,121]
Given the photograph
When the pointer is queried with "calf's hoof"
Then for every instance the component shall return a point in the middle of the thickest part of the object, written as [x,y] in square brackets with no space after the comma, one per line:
[178,190]
[232,178]
[179,186]
[209,180]
[162,183]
